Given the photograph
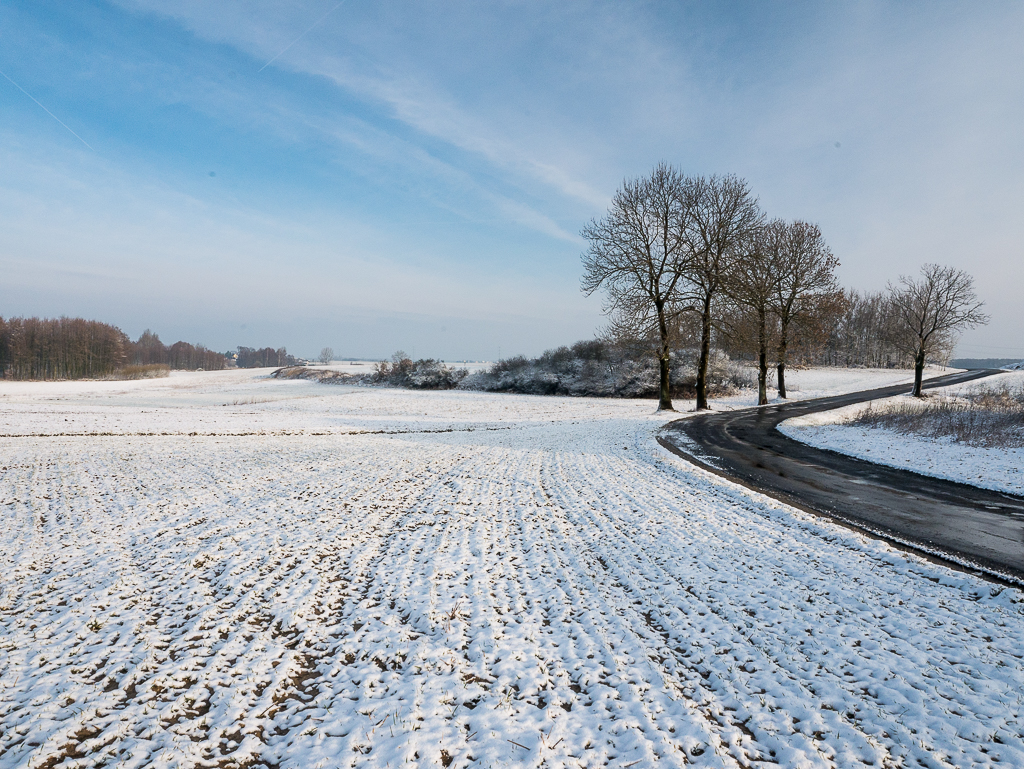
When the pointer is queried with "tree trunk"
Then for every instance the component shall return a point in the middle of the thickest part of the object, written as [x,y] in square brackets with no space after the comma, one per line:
[762,358]
[705,355]
[783,345]
[664,359]
[918,373]
[664,396]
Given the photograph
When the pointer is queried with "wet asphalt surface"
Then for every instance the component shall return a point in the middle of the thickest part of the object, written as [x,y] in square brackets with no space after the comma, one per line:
[969,526]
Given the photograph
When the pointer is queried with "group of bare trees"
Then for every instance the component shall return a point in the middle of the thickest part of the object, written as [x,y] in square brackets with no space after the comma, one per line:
[74,348]
[676,251]
[148,350]
[691,258]
[781,284]
[857,334]
[249,357]
[60,348]
[917,320]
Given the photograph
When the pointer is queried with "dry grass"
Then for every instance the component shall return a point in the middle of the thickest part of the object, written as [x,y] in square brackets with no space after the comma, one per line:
[250,401]
[148,371]
[990,417]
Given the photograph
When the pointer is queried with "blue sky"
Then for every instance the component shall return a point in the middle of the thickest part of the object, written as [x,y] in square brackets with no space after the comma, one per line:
[415,175]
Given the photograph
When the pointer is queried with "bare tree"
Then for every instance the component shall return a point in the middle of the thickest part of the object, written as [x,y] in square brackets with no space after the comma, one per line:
[635,255]
[752,286]
[721,215]
[326,355]
[805,279]
[932,311]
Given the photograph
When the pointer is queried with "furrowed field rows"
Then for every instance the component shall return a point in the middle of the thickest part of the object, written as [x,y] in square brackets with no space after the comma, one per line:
[558,592]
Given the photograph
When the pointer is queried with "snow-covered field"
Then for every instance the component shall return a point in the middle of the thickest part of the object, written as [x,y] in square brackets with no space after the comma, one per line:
[223,570]
[1001,469]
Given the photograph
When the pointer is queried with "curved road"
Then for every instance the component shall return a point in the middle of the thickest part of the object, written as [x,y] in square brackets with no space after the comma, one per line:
[972,527]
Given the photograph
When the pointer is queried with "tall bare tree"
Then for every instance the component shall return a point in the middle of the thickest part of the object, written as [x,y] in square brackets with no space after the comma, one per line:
[805,278]
[326,355]
[635,255]
[721,215]
[932,311]
[753,285]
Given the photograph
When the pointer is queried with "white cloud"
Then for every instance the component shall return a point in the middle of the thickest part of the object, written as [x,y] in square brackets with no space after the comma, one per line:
[409,94]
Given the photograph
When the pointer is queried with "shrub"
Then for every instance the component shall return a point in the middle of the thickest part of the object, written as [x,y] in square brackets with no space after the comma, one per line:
[601,368]
[986,417]
[143,371]
[424,374]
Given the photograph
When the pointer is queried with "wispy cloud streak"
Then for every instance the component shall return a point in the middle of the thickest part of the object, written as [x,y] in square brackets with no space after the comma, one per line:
[33,98]
[293,42]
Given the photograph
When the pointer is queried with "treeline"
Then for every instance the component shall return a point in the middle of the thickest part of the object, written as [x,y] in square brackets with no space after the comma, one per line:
[74,348]
[183,356]
[864,333]
[848,329]
[148,350]
[60,348]
[249,357]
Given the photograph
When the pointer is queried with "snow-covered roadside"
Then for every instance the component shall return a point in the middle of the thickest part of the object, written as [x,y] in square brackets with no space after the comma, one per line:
[805,384]
[999,469]
[457,579]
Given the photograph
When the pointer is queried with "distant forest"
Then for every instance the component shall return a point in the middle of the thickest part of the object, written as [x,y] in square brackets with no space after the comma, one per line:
[74,348]
[180,356]
[248,357]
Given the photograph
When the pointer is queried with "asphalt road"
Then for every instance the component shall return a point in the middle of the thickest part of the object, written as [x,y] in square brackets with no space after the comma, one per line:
[972,527]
